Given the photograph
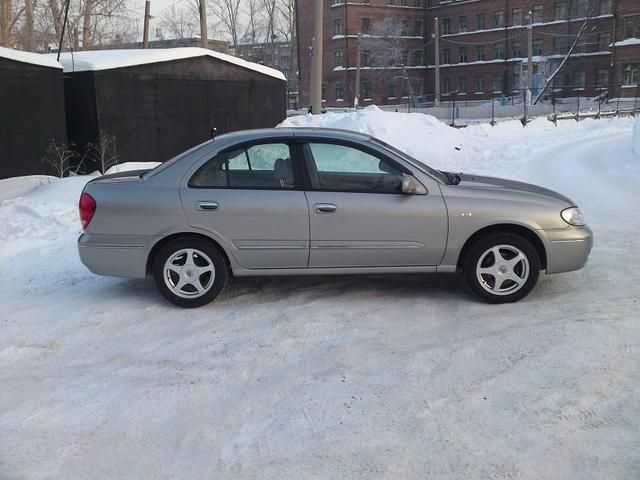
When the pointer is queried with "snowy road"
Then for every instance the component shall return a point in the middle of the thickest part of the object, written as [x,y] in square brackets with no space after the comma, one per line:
[346,377]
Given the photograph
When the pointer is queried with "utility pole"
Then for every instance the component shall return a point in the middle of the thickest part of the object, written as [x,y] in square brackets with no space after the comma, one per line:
[147,16]
[529,59]
[204,40]
[436,30]
[316,61]
[356,98]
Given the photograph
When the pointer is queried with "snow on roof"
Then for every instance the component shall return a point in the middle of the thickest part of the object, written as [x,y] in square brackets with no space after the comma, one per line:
[28,57]
[109,59]
[624,43]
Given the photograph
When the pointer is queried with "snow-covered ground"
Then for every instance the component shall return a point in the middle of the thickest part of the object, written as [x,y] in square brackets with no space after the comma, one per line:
[344,377]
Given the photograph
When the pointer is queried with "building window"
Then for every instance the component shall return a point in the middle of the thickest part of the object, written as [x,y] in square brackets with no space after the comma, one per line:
[538,46]
[516,16]
[582,8]
[516,49]
[419,86]
[366,90]
[324,92]
[480,21]
[446,55]
[538,13]
[498,51]
[605,7]
[479,84]
[391,2]
[632,27]
[579,78]
[365,58]
[631,73]
[463,54]
[419,58]
[446,26]
[366,2]
[462,23]
[366,26]
[419,3]
[602,77]
[404,27]
[418,28]
[391,89]
[462,84]
[604,40]
[560,45]
[338,55]
[560,10]
[339,91]
[446,85]
[405,57]
[337,26]
[497,83]
[498,18]
[480,55]
[404,3]
[515,81]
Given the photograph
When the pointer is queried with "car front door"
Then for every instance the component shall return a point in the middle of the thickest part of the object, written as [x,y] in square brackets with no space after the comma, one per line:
[248,197]
[359,216]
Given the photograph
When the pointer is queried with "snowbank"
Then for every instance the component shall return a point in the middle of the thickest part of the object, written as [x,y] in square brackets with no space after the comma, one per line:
[109,59]
[636,139]
[20,186]
[482,149]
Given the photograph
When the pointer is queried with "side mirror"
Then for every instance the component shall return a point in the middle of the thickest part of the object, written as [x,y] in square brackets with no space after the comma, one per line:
[412,186]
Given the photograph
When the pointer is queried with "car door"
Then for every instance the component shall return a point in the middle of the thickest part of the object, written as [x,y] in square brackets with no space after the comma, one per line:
[248,196]
[359,216]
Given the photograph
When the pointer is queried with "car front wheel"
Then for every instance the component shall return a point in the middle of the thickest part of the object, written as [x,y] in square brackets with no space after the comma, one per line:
[502,268]
[190,272]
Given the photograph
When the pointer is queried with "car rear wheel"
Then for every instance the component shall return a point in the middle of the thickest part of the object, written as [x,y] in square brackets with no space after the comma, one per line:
[190,272]
[502,268]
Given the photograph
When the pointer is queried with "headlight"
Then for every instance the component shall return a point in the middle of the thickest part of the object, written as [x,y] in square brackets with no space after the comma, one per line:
[573,216]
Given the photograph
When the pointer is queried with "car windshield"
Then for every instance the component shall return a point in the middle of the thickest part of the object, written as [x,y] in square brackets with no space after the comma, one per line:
[415,162]
[173,160]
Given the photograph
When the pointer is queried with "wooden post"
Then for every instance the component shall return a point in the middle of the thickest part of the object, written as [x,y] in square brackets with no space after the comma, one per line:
[147,16]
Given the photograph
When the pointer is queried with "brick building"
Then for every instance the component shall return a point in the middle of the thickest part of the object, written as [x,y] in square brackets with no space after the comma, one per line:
[483,47]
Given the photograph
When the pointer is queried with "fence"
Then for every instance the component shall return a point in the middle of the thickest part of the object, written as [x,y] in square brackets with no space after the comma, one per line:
[567,102]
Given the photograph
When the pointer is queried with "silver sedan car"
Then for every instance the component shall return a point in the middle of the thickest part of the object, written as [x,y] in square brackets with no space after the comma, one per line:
[317,201]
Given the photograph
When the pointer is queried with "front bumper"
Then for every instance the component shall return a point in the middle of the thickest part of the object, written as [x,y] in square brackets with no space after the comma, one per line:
[116,257]
[568,248]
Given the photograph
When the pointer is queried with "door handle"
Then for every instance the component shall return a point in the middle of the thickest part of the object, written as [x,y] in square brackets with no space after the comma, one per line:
[324,208]
[207,205]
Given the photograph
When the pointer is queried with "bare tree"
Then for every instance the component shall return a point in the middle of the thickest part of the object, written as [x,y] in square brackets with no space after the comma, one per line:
[228,13]
[10,14]
[102,152]
[255,21]
[181,22]
[60,157]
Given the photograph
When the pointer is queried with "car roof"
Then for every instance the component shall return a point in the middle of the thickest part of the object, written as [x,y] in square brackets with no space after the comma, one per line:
[266,133]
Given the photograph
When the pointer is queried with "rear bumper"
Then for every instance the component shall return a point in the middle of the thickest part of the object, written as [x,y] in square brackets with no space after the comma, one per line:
[121,257]
[568,248]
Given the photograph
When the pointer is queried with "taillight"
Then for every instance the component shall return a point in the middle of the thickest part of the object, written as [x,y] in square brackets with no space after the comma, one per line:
[87,207]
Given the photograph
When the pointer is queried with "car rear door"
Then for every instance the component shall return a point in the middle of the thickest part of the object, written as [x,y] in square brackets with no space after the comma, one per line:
[359,216]
[249,196]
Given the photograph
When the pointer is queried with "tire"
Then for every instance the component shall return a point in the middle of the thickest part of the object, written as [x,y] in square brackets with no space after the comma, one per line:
[502,268]
[190,272]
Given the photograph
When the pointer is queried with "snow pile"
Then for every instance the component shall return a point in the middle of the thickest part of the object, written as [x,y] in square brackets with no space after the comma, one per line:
[20,186]
[480,148]
[636,139]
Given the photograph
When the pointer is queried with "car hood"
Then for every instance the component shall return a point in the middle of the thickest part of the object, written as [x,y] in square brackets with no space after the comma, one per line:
[494,183]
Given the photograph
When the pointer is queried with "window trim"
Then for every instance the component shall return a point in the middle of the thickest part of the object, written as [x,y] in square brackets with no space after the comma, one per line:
[295,156]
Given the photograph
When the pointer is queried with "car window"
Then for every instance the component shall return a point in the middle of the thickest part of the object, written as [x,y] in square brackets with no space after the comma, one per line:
[345,168]
[264,166]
